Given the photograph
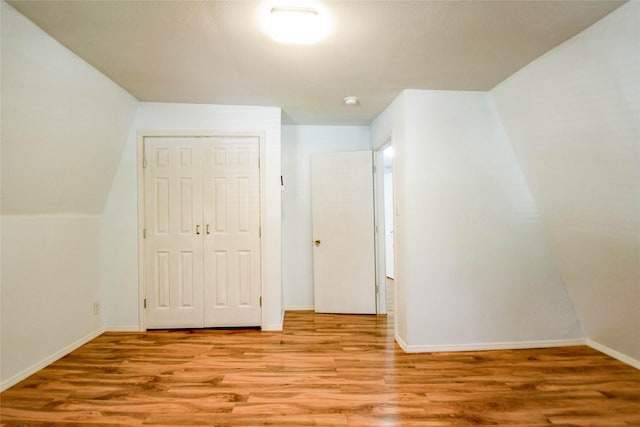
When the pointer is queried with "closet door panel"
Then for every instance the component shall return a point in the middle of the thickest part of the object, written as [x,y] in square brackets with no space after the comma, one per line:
[231,186]
[173,222]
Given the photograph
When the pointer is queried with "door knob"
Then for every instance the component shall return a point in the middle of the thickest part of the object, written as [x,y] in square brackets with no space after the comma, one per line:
[317,243]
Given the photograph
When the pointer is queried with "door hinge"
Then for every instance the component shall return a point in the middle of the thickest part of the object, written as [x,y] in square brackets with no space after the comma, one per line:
[144,233]
[144,162]
[260,301]
[258,162]
[145,303]
[260,231]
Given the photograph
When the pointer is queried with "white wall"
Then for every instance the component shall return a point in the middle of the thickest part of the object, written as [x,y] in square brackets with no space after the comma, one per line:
[50,278]
[573,117]
[63,123]
[474,263]
[120,231]
[63,127]
[298,143]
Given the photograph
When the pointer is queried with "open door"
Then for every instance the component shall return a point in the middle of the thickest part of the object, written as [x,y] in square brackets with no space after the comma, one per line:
[343,232]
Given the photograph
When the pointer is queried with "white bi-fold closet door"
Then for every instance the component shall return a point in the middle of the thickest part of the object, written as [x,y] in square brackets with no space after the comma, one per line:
[202,231]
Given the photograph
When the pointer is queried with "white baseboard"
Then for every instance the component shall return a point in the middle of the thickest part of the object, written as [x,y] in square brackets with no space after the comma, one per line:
[515,345]
[123,329]
[403,345]
[25,373]
[300,308]
[613,353]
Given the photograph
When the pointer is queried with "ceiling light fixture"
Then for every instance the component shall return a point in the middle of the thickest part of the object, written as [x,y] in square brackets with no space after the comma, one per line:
[351,100]
[296,24]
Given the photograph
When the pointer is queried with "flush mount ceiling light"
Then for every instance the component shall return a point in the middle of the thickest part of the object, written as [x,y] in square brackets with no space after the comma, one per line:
[351,100]
[296,24]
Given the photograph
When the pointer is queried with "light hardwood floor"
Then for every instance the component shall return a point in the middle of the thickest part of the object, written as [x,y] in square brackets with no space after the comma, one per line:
[323,370]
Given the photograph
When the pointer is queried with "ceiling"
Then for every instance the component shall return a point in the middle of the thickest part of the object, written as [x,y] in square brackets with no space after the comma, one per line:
[215,52]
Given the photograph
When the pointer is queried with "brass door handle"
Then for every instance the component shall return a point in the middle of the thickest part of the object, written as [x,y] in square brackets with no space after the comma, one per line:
[208,232]
[317,243]
[198,229]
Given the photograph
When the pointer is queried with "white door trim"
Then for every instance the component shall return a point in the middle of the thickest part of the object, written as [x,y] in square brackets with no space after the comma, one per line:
[141,209]
[378,194]
[378,200]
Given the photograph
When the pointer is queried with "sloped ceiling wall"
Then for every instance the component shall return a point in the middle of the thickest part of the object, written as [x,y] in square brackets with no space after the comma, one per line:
[473,260]
[63,124]
[573,117]
[63,129]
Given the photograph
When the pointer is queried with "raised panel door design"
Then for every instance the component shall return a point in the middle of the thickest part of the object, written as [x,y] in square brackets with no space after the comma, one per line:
[186,279]
[244,204]
[186,157]
[244,278]
[162,157]
[232,205]
[173,218]
[202,215]
[220,278]
[186,205]
[162,279]
[162,205]
[219,208]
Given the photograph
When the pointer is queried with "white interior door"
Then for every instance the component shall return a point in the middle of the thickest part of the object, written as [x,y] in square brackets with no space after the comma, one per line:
[232,287]
[343,232]
[202,222]
[173,221]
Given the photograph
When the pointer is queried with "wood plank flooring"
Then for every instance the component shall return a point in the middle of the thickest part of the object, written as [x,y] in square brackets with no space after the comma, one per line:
[323,370]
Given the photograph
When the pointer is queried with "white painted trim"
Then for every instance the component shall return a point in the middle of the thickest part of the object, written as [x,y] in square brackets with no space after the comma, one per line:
[379,232]
[25,373]
[141,246]
[262,148]
[403,345]
[275,327]
[300,308]
[142,134]
[380,237]
[514,345]
[122,329]
[378,145]
[613,353]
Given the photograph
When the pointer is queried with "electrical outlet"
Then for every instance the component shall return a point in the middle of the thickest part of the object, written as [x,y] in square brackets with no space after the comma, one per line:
[96,307]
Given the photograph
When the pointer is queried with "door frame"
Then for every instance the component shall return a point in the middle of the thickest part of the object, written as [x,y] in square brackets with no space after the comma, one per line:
[379,215]
[141,205]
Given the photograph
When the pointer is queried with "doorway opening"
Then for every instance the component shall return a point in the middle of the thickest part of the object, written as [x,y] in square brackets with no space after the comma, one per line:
[385,257]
